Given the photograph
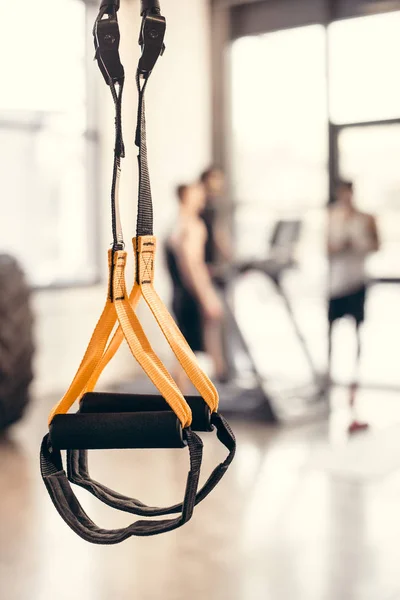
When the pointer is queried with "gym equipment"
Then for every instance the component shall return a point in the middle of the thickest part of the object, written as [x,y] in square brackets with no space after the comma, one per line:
[235,399]
[284,238]
[260,402]
[16,342]
[126,420]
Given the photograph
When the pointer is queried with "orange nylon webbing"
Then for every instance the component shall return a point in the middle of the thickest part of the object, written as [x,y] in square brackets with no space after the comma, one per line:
[145,251]
[145,247]
[92,355]
[141,348]
[112,347]
[130,328]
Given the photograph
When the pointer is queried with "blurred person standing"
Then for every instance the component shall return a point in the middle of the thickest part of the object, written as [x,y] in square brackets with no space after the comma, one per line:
[218,248]
[196,305]
[352,235]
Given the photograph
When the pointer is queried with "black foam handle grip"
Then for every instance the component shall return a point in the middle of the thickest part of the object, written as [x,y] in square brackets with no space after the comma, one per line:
[149,6]
[98,402]
[98,431]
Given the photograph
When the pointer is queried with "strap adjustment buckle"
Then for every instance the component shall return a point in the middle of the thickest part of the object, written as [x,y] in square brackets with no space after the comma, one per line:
[106,43]
[151,40]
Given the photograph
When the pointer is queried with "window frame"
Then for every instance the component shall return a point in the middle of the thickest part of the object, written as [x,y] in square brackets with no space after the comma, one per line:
[91,140]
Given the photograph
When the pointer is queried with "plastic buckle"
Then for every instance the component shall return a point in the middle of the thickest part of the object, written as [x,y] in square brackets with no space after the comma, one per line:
[106,43]
[152,42]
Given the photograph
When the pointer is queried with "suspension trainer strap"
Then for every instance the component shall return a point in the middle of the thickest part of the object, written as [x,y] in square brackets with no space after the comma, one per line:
[78,473]
[152,43]
[118,308]
[71,511]
[138,422]
[93,354]
[141,347]
[145,249]
[106,41]
[144,225]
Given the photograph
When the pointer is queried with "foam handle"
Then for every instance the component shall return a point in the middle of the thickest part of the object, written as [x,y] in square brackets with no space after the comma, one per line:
[91,431]
[99,402]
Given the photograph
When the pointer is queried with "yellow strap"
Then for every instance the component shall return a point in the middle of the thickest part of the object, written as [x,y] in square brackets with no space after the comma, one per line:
[97,356]
[141,347]
[145,248]
[93,361]
[112,347]
[92,357]
[145,251]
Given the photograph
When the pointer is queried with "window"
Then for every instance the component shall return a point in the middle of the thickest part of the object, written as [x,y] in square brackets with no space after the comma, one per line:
[279,130]
[46,143]
[364,84]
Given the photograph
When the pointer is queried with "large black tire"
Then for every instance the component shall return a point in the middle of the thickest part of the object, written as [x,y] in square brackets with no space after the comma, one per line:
[16,341]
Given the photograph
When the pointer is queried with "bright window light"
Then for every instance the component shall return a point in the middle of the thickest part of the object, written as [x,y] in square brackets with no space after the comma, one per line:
[45,153]
[363,69]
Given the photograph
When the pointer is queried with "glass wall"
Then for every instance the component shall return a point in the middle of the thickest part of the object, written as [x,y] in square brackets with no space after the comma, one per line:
[364,85]
[365,89]
[282,84]
[46,147]
[279,116]
[290,90]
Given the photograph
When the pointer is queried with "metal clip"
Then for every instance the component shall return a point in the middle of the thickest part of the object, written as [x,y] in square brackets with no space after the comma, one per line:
[106,43]
[152,42]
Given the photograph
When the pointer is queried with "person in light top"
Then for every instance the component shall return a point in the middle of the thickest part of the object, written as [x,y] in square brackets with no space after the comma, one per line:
[352,236]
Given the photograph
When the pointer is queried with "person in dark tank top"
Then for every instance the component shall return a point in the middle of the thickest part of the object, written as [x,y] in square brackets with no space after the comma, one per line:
[196,304]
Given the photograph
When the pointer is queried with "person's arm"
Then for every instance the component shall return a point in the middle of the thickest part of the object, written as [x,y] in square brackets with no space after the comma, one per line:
[196,271]
[366,238]
[374,233]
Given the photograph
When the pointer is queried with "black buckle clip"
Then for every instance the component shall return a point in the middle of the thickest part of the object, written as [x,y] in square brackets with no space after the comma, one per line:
[151,40]
[106,43]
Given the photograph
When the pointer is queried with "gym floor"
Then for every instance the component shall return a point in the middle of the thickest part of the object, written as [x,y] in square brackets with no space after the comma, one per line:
[305,512]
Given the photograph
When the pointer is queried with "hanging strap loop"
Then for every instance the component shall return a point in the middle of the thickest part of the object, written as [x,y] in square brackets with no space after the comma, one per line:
[75,432]
[78,473]
[118,308]
[144,248]
[69,508]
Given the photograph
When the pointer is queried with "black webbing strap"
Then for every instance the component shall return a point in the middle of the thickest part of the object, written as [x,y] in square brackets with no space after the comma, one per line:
[106,41]
[119,152]
[152,43]
[71,511]
[78,473]
[144,225]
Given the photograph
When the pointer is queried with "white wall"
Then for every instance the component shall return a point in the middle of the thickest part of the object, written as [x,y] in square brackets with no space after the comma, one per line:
[179,140]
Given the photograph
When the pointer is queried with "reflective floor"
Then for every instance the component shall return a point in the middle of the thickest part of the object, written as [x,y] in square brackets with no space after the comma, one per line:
[305,512]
